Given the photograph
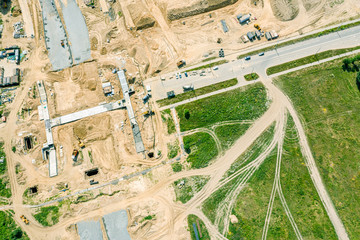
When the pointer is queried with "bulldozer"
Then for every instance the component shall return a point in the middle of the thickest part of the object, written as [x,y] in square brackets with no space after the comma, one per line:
[24,219]
[257,27]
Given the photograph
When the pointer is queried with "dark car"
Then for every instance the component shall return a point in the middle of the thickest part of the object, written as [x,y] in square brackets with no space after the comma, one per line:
[247,58]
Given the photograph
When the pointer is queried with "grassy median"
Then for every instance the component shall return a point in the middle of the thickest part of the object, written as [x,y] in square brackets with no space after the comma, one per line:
[198,92]
[308,59]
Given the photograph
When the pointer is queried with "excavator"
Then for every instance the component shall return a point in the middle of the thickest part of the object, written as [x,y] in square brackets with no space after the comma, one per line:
[257,27]
[24,219]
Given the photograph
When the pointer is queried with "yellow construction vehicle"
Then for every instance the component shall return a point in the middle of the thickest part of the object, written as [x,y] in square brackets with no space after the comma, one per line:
[24,219]
[257,27]
[81,144]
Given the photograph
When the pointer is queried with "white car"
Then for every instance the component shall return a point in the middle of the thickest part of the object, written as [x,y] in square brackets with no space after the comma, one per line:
[216,68]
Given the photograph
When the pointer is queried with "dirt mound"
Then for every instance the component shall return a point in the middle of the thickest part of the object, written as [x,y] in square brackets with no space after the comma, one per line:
[197,7]
[285,10]
[311,4]
[141,16]
[97,128]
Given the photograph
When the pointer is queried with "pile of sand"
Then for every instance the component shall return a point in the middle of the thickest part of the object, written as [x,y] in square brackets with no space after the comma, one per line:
[285,10]
[141,16]
[192,8]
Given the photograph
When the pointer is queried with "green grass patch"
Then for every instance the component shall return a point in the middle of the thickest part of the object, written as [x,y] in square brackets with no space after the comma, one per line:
[2,156]
[186,188]
[308,59]
[250,206]
[255,196]
[148,218]
[303,201]
[173,149]
[228,134]
[5,190]
[209,59]
[327,100]
[198,92]
[251,76]
[246,103]
[201,148]
[193,219]
[256,148]
[176,167]
[48,216]
[283,44]
[280,226]
[210,65]
[9,229]
[167,118]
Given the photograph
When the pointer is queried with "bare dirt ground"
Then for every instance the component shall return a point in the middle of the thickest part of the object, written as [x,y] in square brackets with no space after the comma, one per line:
[108,139]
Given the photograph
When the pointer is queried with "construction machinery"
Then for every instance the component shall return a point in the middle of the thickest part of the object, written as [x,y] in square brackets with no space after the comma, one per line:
[24,219]
[74,155]
[181,63]
[81,144]
[257,27]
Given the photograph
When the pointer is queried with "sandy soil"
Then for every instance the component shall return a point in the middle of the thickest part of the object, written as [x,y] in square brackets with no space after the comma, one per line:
[108,137]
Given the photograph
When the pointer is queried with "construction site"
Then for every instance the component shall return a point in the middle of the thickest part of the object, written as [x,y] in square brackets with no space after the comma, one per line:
[83,130]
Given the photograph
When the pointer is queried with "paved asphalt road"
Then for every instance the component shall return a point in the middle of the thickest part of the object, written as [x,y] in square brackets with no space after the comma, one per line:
[238,68]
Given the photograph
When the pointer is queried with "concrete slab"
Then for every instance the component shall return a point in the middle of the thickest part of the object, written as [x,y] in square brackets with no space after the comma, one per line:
[60,56]
[72,117]
[139,145]
[116,225]
[89,230]
[77,31]
[49,146]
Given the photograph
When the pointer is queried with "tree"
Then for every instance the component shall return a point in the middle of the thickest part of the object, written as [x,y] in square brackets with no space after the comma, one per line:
[346,64]
[187,113]
[358,80]
[17,234]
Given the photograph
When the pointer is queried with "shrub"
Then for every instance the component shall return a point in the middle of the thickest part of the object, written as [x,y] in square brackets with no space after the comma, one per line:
[187,113]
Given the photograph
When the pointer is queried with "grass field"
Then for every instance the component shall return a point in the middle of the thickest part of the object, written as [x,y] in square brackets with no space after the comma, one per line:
[210,205]
[280,227]
[193,219]
[48,216]
[251,76]
[228,134]
[9,229]
[177,167]
[327,100]
[303,201]
[245,103]
[258,146]
[191,186]
[167,118]
[283,44]
[197,92]
[201,148]
[308,59]
[251,205]
[173,149]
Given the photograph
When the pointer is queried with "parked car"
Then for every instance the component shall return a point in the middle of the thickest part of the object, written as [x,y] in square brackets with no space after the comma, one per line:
[261,54]
[186,74]
[247,58]
[216,68]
